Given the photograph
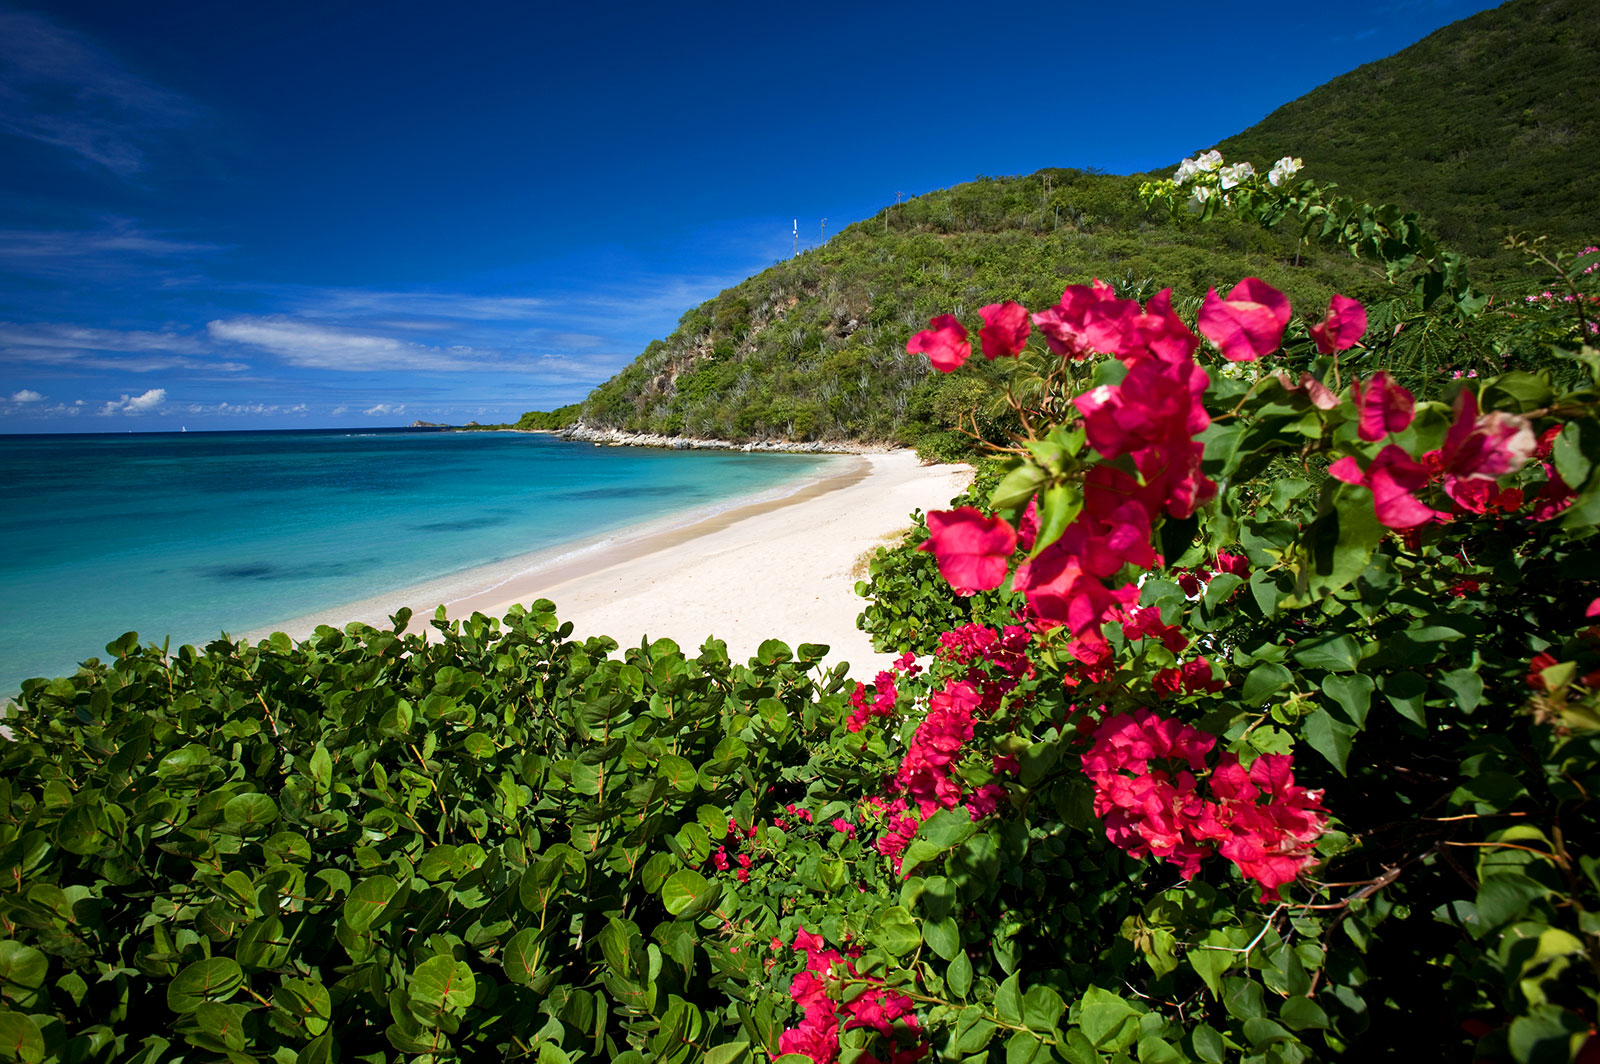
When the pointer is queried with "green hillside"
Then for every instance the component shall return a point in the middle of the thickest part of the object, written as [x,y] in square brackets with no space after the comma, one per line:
[1490,125]
[814,347]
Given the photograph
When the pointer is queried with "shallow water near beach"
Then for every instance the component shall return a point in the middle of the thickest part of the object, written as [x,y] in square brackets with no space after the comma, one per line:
[191,534]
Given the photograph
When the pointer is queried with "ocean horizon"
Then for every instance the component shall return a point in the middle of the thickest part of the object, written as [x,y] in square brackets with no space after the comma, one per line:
[187,535]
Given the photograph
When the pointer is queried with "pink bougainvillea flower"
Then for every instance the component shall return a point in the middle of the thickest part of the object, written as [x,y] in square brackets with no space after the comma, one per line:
[1249,323]
[1383,406]
[1163,333]
[945,344]
[1593,610]
[1344,325]
[1484,446]
[1392,478]
[973,550]
[1089,318]
[1320,395]
[1005,330]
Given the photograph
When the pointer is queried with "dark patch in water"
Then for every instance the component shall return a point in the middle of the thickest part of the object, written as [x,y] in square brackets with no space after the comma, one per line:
[268,571]
[462,525]
[240,572]
[644,490]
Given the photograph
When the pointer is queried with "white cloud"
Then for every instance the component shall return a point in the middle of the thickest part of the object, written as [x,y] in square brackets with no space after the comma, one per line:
[130,351]
[341,408]
[136,404]
[255,409]
[61,89]
[26,395]
[385,408]
[312,346]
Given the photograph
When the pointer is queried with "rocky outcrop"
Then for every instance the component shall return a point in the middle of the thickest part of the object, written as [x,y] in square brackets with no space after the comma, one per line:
[617,438]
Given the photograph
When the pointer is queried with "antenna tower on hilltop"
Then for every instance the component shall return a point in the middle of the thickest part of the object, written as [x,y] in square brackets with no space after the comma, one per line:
[796,237]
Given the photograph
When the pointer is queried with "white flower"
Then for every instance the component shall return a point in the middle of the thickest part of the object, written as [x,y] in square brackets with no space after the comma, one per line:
[1204,163]
[1237,173]
[1283,169]
[1201,194]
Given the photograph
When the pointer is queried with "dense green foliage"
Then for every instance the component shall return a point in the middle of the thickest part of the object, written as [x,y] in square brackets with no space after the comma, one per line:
[371,845]
[548,420]
[1488,126]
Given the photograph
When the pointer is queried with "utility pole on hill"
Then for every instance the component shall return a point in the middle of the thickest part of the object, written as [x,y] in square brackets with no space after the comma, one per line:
[796,238]
[824,231]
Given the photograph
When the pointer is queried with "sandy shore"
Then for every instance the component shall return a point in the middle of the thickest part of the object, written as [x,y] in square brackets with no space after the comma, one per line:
[775,568]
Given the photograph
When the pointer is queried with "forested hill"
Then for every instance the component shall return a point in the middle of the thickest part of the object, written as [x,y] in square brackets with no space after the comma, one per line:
[1491,124]
[1488,125]
[814,347]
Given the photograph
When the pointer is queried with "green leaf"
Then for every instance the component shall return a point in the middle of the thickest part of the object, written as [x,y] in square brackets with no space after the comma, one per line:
[1042,1008]
[1567,450]
[368,901]
[1466,685]
[958,977]
[1353,694]
[1405,691]
[520,957]
[444,983]
[1101,1015]
[1059,505]
[1336,653]
[947,828]
[687,893]
[729,1053]
[251,812]
[1017,487]
[321,768]
[1220,589]
[1301,1013]
[20,1038]
[1329,737]
[1503,898]
[1263,681]
[1208,1044]
[21,966]
[212,979]
[943,937]
[1024,1047]
[897,931]
[1209,964]
[1008,999]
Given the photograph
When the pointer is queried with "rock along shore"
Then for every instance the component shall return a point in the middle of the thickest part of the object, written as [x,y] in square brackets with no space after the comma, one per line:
[617,438]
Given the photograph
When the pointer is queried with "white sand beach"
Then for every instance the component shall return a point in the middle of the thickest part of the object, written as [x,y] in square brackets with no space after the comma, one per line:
[775,568]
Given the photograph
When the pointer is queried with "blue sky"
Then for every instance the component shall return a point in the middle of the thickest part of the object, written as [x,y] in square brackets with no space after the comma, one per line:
[338,213]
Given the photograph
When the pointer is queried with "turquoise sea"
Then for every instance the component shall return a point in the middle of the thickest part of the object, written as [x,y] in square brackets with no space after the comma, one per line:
[191,534]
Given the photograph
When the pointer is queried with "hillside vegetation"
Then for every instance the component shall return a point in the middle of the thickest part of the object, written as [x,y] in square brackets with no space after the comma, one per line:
[1485,127]
[814,347]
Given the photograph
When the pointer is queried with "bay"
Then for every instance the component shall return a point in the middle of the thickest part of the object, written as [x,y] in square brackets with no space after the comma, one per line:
[187,535]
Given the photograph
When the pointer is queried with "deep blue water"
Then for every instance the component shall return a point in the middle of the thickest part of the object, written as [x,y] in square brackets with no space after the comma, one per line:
[191,534]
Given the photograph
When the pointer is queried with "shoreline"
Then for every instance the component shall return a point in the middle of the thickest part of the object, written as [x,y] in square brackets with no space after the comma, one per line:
[763,567]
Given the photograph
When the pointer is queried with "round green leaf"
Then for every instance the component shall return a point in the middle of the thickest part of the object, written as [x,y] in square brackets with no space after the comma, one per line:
[250,812]
[443,982]
[367,901]
[20,1038]
[213,979]
[687,893]
[521,957]
[21,966]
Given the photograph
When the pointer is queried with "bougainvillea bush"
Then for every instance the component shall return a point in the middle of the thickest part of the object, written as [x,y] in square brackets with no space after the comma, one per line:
[1273,739]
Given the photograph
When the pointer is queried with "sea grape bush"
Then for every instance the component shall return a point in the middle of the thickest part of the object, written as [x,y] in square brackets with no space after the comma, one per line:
[1252,712]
